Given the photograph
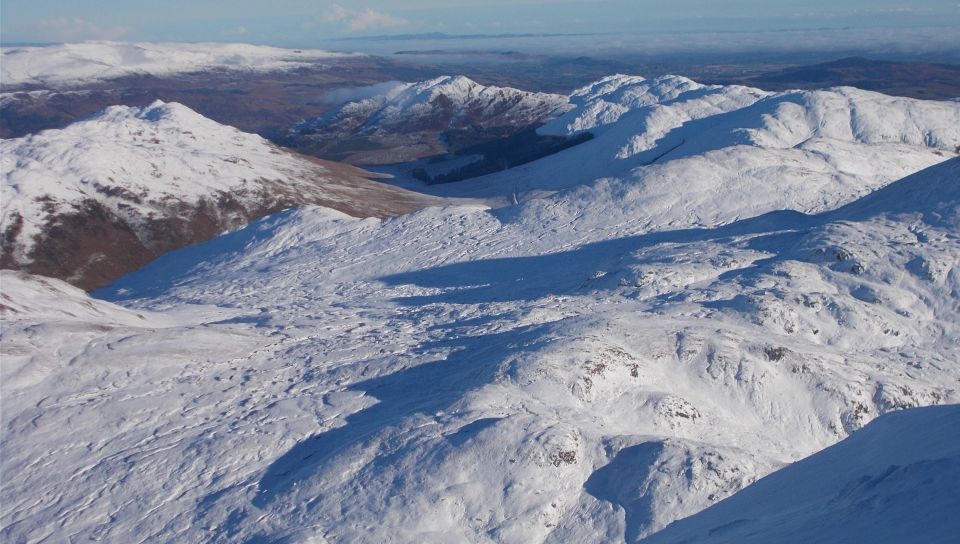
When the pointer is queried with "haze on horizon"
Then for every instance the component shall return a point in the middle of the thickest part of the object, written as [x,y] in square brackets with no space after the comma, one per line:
[306,23]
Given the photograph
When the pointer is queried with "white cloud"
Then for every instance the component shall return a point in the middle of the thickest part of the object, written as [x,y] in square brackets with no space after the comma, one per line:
[350,94]
[67,29]
[368,19]
[360,20]
[335,13]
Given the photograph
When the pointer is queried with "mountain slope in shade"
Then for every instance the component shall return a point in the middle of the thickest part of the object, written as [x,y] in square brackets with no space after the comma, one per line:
[430,117]
[74,64]
[541,373]
[104,196]
[894,481]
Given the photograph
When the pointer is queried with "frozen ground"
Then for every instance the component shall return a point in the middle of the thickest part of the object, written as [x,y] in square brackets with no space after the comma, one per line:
[587,366]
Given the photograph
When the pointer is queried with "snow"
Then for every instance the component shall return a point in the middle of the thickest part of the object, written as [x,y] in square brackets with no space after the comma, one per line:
[73,64]
[65,311]
[603,102]
[52,299]
[895,481]
[606,357]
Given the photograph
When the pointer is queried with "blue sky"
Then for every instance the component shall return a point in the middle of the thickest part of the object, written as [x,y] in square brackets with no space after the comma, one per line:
[302,22]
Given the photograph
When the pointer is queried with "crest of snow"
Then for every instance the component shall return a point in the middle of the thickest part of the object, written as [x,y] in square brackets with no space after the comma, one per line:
[37,297]
[605,101]
[792,119]
[64,311]
[80,63]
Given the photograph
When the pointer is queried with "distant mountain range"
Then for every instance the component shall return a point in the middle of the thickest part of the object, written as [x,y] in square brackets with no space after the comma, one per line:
[913,79]
[74,64]
[446,36]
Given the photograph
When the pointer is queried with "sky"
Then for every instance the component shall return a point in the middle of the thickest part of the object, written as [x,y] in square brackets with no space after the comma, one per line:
[305,22]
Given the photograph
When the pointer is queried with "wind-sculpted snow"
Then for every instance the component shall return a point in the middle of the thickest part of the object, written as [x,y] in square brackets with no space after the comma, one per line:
[106,195]
[48,298]
[548,372]
[893,482]
[73,64]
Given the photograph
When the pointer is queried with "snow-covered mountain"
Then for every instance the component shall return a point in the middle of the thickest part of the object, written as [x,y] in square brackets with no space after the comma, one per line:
[681,143]
[104,196]
[72,64]
[721,283]
[441,103]
[463,374]
[417,119]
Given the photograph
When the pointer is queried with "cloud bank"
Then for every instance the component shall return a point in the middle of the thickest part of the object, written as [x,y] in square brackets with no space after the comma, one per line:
[361,20]
[350,94]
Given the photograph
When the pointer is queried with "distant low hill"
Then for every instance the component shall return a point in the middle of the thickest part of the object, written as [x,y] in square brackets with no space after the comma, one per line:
[912,79]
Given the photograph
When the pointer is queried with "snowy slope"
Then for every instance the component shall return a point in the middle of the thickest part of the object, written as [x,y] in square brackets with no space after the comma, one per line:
[558,371]
[67,315]
[893,482]
[105,195]
[74,64]
[51,299]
